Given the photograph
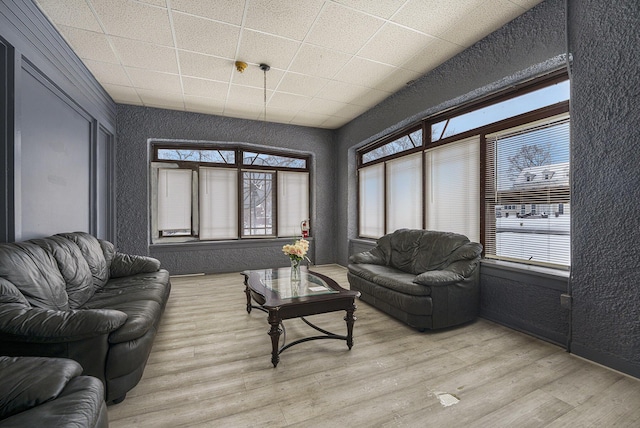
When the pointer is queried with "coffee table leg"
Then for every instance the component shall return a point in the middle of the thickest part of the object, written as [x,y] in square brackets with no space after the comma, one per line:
[274,332]
[350,319]
[248,293]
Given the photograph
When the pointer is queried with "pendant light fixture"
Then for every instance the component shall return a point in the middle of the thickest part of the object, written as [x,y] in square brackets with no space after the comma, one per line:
[264,68]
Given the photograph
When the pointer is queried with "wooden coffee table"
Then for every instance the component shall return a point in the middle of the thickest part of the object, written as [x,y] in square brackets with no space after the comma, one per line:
[277,295]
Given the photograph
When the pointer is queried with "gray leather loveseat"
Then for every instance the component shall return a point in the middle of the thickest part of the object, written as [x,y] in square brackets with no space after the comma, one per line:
[74,296]
[424,278]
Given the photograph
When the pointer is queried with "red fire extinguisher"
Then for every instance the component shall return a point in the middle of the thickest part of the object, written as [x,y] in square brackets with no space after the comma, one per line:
[305,227]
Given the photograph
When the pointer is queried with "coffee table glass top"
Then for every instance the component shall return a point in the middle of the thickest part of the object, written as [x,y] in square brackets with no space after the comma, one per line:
[279,280]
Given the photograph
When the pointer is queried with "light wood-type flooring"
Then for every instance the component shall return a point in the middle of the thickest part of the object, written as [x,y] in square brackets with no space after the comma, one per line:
[211,367]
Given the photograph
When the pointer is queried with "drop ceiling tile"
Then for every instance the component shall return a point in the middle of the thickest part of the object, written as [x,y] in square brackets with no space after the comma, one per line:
[327,107]
[254,76]
[133,20]
[123,94]
[481,21]
[205,88]
[526,4]
[342,92]
[285,18]
[394,45]
[280,115]
[382,8]
[368,98]
[105,72]
[205,66]
[397,80]
[333,122]
[363,72]
[258,48]
[289,101]
[89,45]
[154,98]
[305,118]
[205,36]
[162,82]
[160,3]
[203,105]
[243,111]
[434,16]
[349,111]
[318,61]
[146,55]
[301,84]
[432,56]
[229,11]
[343,29]
[247,95]
[72,13]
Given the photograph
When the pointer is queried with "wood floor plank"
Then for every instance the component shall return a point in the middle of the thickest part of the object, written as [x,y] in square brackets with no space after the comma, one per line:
[210,366]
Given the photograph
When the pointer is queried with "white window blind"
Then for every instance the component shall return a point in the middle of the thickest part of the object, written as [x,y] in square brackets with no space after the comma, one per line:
[218,203]
[404,192]
[293,202]
[371,196]
[452,184]
[174,199]
[528,195]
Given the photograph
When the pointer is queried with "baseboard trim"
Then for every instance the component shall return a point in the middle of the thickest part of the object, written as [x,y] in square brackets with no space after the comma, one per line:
[606,359]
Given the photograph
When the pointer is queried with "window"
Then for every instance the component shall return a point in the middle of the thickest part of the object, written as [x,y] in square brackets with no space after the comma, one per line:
[405,142]
[206,194]
[452,183]
[404,192]
[371,195]
[529,166]
[174,202]
[497,173]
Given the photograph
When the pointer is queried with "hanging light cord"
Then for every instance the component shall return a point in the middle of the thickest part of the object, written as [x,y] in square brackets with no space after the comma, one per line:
[264,68]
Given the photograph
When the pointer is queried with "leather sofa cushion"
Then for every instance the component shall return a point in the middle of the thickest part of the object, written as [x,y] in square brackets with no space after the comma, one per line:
[73,267]
[10,294]
[30,381]
[127,264]
[92,252]
[142,297]
[416,250]
[390,278]
[438,278]
[35,273]
[145,286]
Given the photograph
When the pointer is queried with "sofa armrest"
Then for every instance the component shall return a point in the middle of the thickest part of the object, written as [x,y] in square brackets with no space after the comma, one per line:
[28,324]
[127,265]
[30,381]
[438,278]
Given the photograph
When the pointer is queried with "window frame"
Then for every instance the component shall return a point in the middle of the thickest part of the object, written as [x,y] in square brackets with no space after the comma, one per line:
[517,90]
[240,167]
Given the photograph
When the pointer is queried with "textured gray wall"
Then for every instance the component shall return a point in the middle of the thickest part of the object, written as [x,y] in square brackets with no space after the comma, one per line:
[605,114]
[136,125]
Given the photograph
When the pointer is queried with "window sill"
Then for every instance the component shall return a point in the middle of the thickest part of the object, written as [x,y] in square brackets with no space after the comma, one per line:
[522,268]
[232,243]
[555,279]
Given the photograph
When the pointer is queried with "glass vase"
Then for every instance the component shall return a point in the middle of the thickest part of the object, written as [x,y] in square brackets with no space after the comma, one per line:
[295,270]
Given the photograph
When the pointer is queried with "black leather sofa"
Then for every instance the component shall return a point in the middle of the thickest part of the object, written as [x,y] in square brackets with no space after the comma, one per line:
[49,392]
[425,278]
[74,296]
